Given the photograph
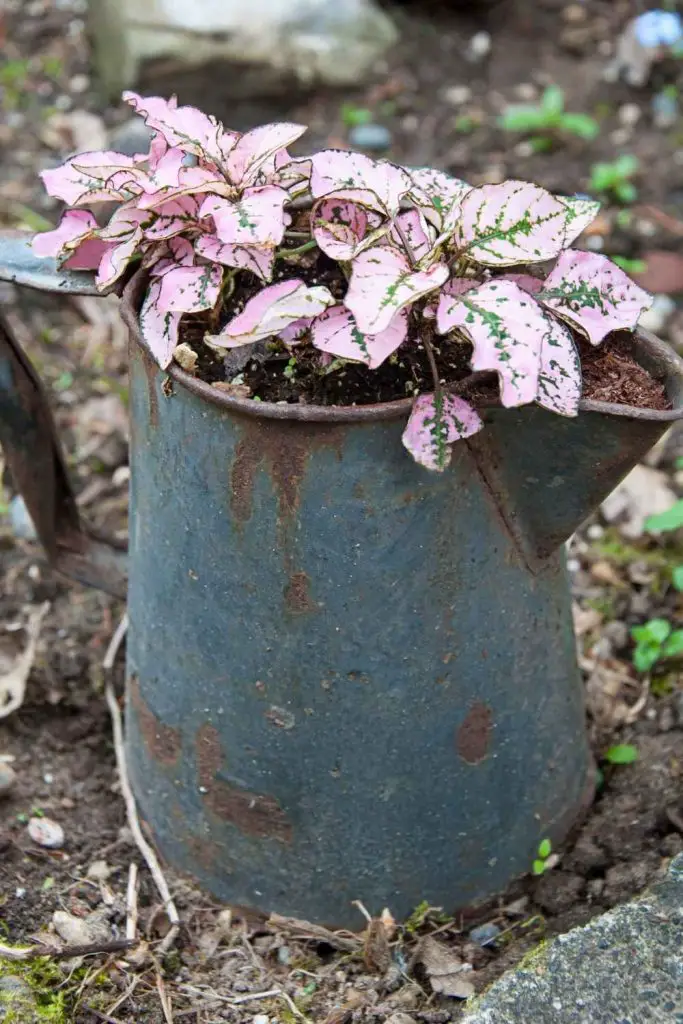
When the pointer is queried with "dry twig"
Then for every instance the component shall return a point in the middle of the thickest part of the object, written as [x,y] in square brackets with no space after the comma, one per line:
[143,846]
[65,953]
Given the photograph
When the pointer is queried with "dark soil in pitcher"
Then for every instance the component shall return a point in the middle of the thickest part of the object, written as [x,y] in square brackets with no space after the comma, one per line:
[271,372]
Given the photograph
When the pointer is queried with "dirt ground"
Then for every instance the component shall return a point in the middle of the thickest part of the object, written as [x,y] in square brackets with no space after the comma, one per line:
[59,743]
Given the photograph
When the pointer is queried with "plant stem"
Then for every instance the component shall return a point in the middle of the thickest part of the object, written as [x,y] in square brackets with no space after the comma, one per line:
[432,362]
[306,247]
[406,244]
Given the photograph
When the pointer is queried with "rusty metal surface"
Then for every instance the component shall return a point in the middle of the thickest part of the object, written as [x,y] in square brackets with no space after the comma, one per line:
[33,454]
[372,695]
[19,265]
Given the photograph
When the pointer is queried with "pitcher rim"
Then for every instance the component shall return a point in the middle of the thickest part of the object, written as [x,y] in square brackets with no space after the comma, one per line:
[646,343]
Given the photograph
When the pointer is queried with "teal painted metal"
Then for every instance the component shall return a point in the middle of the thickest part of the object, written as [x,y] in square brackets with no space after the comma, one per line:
[350,678]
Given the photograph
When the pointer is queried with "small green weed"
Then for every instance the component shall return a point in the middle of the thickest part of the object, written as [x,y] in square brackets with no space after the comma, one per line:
[613,180]
[655,641]
[540,864]
[630,266]
[548,120]
[621,753]
[352,116]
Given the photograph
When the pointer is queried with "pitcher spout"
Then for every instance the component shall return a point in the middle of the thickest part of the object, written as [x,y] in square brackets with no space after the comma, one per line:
[547,474]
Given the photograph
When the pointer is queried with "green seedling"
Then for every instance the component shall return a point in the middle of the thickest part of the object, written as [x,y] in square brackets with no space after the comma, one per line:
[666,522]
[613,180]
[621,753]
[540,864]
[290,369]
[655,641]
[630,266]
[352,116]
[548,118]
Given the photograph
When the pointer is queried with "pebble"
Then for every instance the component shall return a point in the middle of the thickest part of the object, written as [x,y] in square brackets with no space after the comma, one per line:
[46,832]
[524,150]
[485,934]
[629,114]
[81,931]
[99,871]
[131,137]
[20,520]
[526,91]
[284,955]
[574,14]
[667,719]
[8,777]
[479,47]
[370,136]
[654,319]
[620,136]
[665,110]
[79,83]
[457,95]
[261,1018]
[645,228]
[595,242]
[617,633]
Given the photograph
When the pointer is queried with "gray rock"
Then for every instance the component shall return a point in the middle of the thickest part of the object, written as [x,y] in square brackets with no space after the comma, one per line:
[370,136]
[485,934]
[131,137]
[665,109]
[8,777]
[17,1002]
[625,967]
[655,318]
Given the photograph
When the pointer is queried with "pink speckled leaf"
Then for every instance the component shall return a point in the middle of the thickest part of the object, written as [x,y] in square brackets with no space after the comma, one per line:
[257,218]
[256,148]
[383,282]
[338,170]
[296,332]
[439,197]
[260,260]
[185,127]
[559,378]
[191,181]
[159,326]
[335,331]
[593,294]
[178,252]
[172,218]
[343,229]
[125,231]
[74,227]
[514,222]
[529,284]
[506,327]
[86,255]
[437,421]
[191,289]
[294,175]
[412,228]
[273,309]
[83,178]
[582,212]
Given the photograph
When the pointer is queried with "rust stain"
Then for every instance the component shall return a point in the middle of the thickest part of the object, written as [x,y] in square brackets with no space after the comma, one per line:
[254,814]
[474,735]
[284,449]
[151,370]
[297,597]
[162,741]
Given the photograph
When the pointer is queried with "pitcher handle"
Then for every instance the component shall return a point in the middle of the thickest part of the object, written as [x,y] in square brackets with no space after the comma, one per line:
[28,436]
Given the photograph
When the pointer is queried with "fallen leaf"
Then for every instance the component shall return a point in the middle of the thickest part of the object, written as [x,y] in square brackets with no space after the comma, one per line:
[586,619]
[644,492]
[603,572]
[13,682]
[376,952]
[663,273]
[445,969]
